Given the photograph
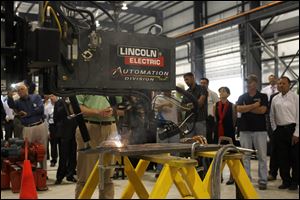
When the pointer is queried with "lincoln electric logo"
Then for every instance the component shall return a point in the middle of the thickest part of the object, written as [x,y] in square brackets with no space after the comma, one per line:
[141,56]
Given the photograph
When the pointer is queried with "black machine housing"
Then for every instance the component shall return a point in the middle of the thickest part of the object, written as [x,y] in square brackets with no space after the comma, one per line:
[120,60]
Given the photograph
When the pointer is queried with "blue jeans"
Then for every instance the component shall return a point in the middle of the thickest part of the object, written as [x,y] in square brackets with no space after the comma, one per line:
[259,140]
[173,139]
[200,129]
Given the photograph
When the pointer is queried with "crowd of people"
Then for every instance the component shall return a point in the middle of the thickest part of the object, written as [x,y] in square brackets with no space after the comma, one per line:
[257,115]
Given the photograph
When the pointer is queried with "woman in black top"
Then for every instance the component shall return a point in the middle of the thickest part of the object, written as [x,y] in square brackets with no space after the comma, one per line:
[225,115]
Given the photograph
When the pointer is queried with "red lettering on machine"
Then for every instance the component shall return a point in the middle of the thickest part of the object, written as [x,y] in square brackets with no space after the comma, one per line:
[156,62]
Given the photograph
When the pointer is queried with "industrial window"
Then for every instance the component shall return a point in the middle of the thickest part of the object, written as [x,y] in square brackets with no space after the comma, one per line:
[222,58]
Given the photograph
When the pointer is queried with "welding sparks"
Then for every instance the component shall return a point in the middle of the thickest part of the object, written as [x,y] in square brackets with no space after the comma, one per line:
[118,144]
[117,141]
[113,142]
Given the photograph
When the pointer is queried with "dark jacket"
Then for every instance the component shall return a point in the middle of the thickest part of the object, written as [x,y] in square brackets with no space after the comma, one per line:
[228,122]
[65,127]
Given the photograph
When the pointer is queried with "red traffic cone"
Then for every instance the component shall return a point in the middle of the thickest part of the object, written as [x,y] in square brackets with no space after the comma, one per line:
[28,188]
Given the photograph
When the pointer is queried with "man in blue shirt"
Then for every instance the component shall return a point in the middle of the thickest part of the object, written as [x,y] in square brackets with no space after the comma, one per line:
[30,110]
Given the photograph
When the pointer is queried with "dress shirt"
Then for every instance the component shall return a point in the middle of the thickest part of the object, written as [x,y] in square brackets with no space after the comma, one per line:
[285,110]
[212,99]
[269,90]
[32,105]
[49,109]
[168,113]
[9,112]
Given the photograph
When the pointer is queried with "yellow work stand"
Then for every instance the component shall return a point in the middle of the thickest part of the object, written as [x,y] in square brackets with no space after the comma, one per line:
[237,170]
[177,170]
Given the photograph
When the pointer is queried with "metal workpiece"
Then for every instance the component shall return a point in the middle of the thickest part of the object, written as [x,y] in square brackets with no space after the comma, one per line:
[245,150]
[159,148]
[193,149]
[152,148]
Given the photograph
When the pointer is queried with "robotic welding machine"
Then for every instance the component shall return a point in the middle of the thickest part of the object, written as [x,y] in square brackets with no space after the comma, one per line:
[76,58]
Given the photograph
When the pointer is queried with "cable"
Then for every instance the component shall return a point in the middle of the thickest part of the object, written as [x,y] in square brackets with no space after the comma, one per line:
[55,17]
[83,11]
[103,10]
[44,10]
[60,12]
[155,26]
[57,21]
[82,25]
[215,179]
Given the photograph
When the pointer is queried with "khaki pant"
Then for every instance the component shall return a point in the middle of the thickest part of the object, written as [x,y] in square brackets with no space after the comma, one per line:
[38,134]
[86,162]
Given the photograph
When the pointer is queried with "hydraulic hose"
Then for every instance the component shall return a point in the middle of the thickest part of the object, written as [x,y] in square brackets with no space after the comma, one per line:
[215,183]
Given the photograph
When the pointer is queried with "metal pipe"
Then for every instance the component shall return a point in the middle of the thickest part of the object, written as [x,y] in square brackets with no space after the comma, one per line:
[228,19]
[215,184]
[41,7]
[245,150]
[276,52]
[297,54]
[101,171]
[193,150]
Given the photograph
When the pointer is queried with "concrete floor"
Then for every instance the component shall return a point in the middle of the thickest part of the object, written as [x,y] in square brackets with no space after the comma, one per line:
[66,189]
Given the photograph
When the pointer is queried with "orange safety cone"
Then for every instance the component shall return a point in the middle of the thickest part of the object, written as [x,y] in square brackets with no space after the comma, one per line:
[28,188]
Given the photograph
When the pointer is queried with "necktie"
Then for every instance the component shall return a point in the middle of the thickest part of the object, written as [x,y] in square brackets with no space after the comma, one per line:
[273,89]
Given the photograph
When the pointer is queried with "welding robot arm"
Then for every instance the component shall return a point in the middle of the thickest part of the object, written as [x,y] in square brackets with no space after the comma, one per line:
[170,129]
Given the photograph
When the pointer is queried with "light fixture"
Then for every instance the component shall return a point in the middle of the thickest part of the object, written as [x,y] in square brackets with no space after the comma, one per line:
[97,23]
[13,85]
[124,7]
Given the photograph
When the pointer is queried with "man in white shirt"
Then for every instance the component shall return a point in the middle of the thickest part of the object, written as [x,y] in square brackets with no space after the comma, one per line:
[284,117]
[272,88]
[54,140]
[9,119]
[212,99]
[166,111]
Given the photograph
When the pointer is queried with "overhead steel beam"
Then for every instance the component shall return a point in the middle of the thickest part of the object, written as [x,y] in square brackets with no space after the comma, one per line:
[128,27]
[227,9]
[179,27]
[134,17]
[262,12]
[131,9]
[267,24]
[107,6]
[178,12]
[283,27]
[30,8]
[271,52]
[281,57]
[170,6]
[19,4]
